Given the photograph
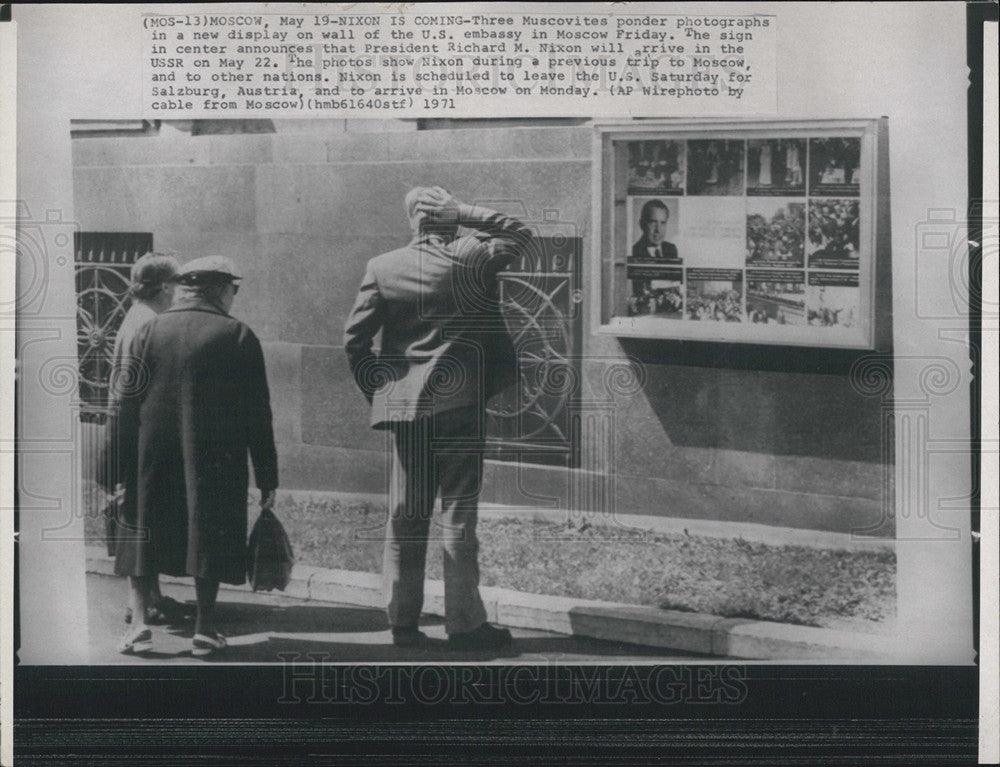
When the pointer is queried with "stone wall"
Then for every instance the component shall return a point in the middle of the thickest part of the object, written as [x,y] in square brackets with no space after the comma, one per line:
[715,432]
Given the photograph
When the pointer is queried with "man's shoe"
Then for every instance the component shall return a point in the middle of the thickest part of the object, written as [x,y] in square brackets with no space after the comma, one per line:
[486,637]
[408,636]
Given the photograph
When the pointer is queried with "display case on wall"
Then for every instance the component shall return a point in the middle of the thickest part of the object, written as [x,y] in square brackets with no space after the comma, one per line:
[761,232]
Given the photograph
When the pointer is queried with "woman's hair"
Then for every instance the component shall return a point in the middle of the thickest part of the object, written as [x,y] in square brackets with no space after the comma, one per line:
[150,273]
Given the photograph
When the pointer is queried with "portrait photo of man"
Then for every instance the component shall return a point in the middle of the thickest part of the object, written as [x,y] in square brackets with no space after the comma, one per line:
[653,221]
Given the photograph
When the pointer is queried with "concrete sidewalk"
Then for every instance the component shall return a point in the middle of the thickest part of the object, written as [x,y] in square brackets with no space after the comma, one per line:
[274,628]
[666,630]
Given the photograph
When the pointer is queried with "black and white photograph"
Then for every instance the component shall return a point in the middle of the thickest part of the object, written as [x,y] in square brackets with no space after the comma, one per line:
[834,166]
[715,167]
[776,167]
[656,167]
[388,412]
[654,226]
[832,299]
[776,296]
[775,232]
[656,290]
[209,279]
[714,295]
[653,266]
[240,356]
[834,234]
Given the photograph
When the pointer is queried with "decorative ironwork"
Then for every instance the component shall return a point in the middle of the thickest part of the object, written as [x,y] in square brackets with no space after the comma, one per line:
[540,301]
[531,422]
[103,261]
[102,300]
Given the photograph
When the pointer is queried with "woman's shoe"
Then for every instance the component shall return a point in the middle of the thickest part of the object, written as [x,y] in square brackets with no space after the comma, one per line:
[173,612]
[166,611]
[136,642]
[207,644]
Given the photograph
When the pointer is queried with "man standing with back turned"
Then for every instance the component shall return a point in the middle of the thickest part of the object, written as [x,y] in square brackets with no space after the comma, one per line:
[444,352]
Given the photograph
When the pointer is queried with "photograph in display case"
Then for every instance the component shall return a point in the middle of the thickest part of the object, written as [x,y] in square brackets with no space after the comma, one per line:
[834,234]
[769,228]
[715,167]
[833,299]
[654,227]
[775,167]
[776,296]
[656,167]
[834,166]
[656,281]
[715,295]
[775,232]
[656,290]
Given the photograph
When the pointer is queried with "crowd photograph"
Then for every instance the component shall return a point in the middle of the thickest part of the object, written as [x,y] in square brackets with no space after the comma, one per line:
[834,230]
[714,300]
[775,232]
[662,297]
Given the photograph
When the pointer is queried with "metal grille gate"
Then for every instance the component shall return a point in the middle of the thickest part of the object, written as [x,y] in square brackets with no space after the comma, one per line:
[102,264]
[103,261]
[540,298]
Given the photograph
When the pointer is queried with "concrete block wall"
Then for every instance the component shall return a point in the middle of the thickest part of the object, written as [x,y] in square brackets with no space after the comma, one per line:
[302,211]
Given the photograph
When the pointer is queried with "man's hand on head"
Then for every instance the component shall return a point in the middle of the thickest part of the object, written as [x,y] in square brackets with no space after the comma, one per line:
[438,204]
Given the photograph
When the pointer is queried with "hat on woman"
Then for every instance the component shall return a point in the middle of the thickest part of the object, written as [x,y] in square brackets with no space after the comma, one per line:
[208,269]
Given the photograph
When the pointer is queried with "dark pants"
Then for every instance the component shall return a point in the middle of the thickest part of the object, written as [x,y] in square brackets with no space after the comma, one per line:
[443,452]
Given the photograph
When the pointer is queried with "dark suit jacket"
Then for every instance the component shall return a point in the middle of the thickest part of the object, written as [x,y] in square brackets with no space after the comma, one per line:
[667,250]
[444,341]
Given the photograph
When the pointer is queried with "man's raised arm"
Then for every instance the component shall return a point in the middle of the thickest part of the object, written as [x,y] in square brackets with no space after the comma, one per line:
[511,235]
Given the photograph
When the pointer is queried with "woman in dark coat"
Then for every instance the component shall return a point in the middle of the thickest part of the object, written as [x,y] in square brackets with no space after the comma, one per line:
[197,403]
[153,280]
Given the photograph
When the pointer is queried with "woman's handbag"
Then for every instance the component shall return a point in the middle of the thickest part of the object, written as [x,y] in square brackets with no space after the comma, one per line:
[106,468]
[107,477]
[112,513]
[269,554]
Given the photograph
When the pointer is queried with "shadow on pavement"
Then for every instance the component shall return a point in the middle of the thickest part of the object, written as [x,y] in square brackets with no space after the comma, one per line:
[272,628]
[306,618]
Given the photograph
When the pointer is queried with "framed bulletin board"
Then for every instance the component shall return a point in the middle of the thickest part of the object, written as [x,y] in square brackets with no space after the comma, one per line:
[760,233]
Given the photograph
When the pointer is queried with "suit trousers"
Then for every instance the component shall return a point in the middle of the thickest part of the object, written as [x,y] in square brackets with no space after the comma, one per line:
[435,453]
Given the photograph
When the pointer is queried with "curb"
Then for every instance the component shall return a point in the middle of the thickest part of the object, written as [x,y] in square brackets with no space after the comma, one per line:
[668,629]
